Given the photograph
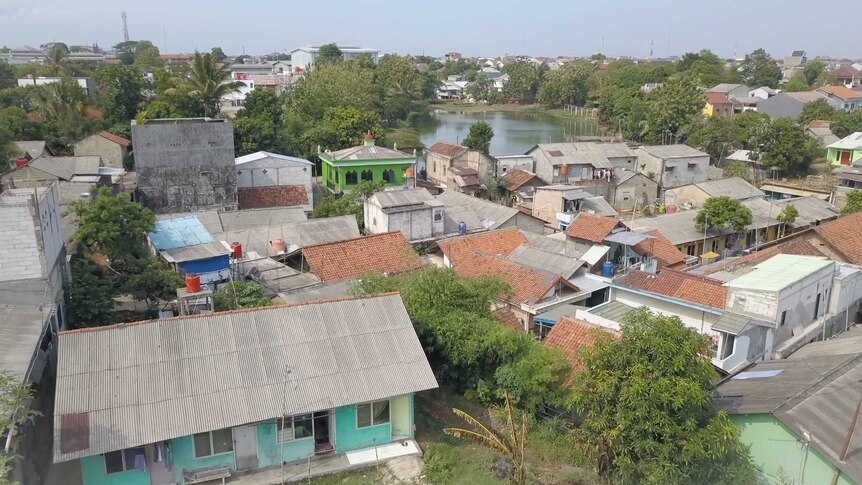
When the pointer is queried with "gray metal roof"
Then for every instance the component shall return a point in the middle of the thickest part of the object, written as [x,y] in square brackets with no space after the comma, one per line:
[399,198]
[20,253]
[812,210]
[733,323]
[741,156]
[196,252]
[21,327]
[551,245]
[219,221]
[132,384]
[295,236]
[591,153]
[34,149]
[672,151]
[628,238]
[337,289]
[364,152]
[599,206]
[545,262]
[558,312]
[484,210]
[612,310]
[733,187]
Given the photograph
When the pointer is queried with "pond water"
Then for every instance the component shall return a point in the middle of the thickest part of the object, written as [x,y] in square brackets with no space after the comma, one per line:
[514,132]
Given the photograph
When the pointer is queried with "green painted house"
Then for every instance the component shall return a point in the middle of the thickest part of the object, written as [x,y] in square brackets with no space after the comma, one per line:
[796,414]
[846,151]
[345,168]
[172,400]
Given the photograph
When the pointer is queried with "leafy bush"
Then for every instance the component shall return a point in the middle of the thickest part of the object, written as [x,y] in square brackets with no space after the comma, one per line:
[440,463]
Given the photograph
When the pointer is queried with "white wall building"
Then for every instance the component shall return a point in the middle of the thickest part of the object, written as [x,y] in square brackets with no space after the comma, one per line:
[88,85]
[264,169]
[304,57]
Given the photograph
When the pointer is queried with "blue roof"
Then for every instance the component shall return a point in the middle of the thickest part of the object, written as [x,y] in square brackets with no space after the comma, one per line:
[179,233]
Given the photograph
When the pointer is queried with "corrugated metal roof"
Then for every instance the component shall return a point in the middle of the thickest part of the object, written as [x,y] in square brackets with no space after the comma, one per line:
[484,210]
[21,327]
[852,141]
[733,323]
[273,159]
[733,187]
[612,310]
[672,151]
[556,313]
[812,210]
[295,236]
[363,152]
[545,262]
[551,245]
[264,217]
[179,233]
[398,198]
[628,238]
[196,252]
[163,379]
[779,272]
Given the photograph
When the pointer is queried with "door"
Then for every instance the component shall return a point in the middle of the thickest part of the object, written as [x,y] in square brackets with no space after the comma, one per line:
[845,158]
[245,447]
[399,417]
[159,474]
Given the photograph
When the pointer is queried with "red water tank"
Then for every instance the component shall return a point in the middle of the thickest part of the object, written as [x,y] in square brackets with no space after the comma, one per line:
[193,283]
[671,208]
[236,250]
[21,162]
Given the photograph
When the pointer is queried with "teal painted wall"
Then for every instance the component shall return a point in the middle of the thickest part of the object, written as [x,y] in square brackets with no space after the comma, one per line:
[779,452]
[93,473]
[268,449]
[184,458]
[348,438]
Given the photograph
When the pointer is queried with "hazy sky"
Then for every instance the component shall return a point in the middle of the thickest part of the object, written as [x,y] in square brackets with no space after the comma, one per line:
[472,27]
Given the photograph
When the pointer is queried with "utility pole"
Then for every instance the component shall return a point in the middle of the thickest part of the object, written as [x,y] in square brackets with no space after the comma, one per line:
[125,28]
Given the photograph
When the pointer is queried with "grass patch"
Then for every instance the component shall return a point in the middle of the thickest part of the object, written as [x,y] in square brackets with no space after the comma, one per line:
[550,441]
[358,477]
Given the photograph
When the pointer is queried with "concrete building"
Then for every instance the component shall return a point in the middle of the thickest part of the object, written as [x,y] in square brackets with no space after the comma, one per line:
[695,195]
[343,169]
[570,163]
[185,164]
[115,151]
[510,162]
[731,91]
[479,214]
[557,205]
[787,105]
[263,169]
[841,97]
[87,84]
[303,58]
[446,163]
[846,151]
[630,190]
[673,165]
[414,212]
[718,105]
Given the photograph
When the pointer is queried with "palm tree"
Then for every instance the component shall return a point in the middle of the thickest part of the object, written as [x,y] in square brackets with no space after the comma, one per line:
[511,445]
[58,58]
[208,81]
[60,100]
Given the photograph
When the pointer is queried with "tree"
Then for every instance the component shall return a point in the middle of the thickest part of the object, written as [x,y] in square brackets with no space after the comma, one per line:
[759,69]
[112,224]
[787,216]
[206,83]
[510,443]
[817,110]
[57,58]
[671,107]
[328,54]
[350,126]
[478,89]
[797,83]
[714,135]
[147,56]
[8,78]
[62,106]
[90,295]
[737,169]
[342,85]
[218,54]
[523,81]
[844,124]
[784,145]
[567,85]
[121,92]
[351,203]
[648,416]
[149,280]
[15,410]
[480,137]
[258,125]
[853,204]
[126,51]
[813,71]
[239,294]
[721,212]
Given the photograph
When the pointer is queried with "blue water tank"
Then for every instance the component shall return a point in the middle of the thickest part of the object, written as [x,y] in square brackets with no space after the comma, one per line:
[608,269]
[462,228]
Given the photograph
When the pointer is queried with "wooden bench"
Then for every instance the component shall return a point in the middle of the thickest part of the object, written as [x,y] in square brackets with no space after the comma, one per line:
[206,474]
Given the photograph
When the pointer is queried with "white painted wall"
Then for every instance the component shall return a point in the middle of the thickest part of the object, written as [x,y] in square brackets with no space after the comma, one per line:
[696,319]
[268,172]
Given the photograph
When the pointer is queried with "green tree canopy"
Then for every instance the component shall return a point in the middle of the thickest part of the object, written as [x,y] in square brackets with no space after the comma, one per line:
[147,56]
[15,409]
[523,81]
[351,203]
[63,107]
[90,294]
[240,294]
[121,92]
[844,124]
[813,72]
[258,125]
[329,54]
[738,169]
[853,204]
[206,83]
[8,78]
[797,83]
[218,54]
[648,417]
[150,280]
[112,224]
[759,69]
[58,58]
[721,212]
[569,84]
[480,137]
[817,110]
[784,145]
[672,107]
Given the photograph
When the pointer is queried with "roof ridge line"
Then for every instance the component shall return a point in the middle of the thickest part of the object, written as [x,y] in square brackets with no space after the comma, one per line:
[366,236]
[238,310]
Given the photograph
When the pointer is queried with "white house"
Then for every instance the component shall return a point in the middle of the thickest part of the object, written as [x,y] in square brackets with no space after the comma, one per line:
[414,212]
[303,58]
[88,84]
[763,92]
[260,170]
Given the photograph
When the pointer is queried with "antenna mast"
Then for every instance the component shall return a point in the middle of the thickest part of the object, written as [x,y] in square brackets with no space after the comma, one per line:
[125,28]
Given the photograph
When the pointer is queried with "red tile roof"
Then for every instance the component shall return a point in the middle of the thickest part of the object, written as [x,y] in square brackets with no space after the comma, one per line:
[716,98]
[682,286]
[661,249]
[572,335]
[515,178]
[501,242]
[802,246]
[527,286]
[508,318]
[381,253]
[119,140]
[819,124]
[271,196]
[591,227]
[841,92]
[845,236]
[447,149]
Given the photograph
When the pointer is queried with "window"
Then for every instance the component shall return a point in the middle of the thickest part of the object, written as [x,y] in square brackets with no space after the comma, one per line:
[123,460]
[350,177]
[294,428]
[389,176]
[783,318]
[372,414]
[727,346]
[435,166]
[690,250]
[367,175]
[212,443]
[438,216]
[336,175]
